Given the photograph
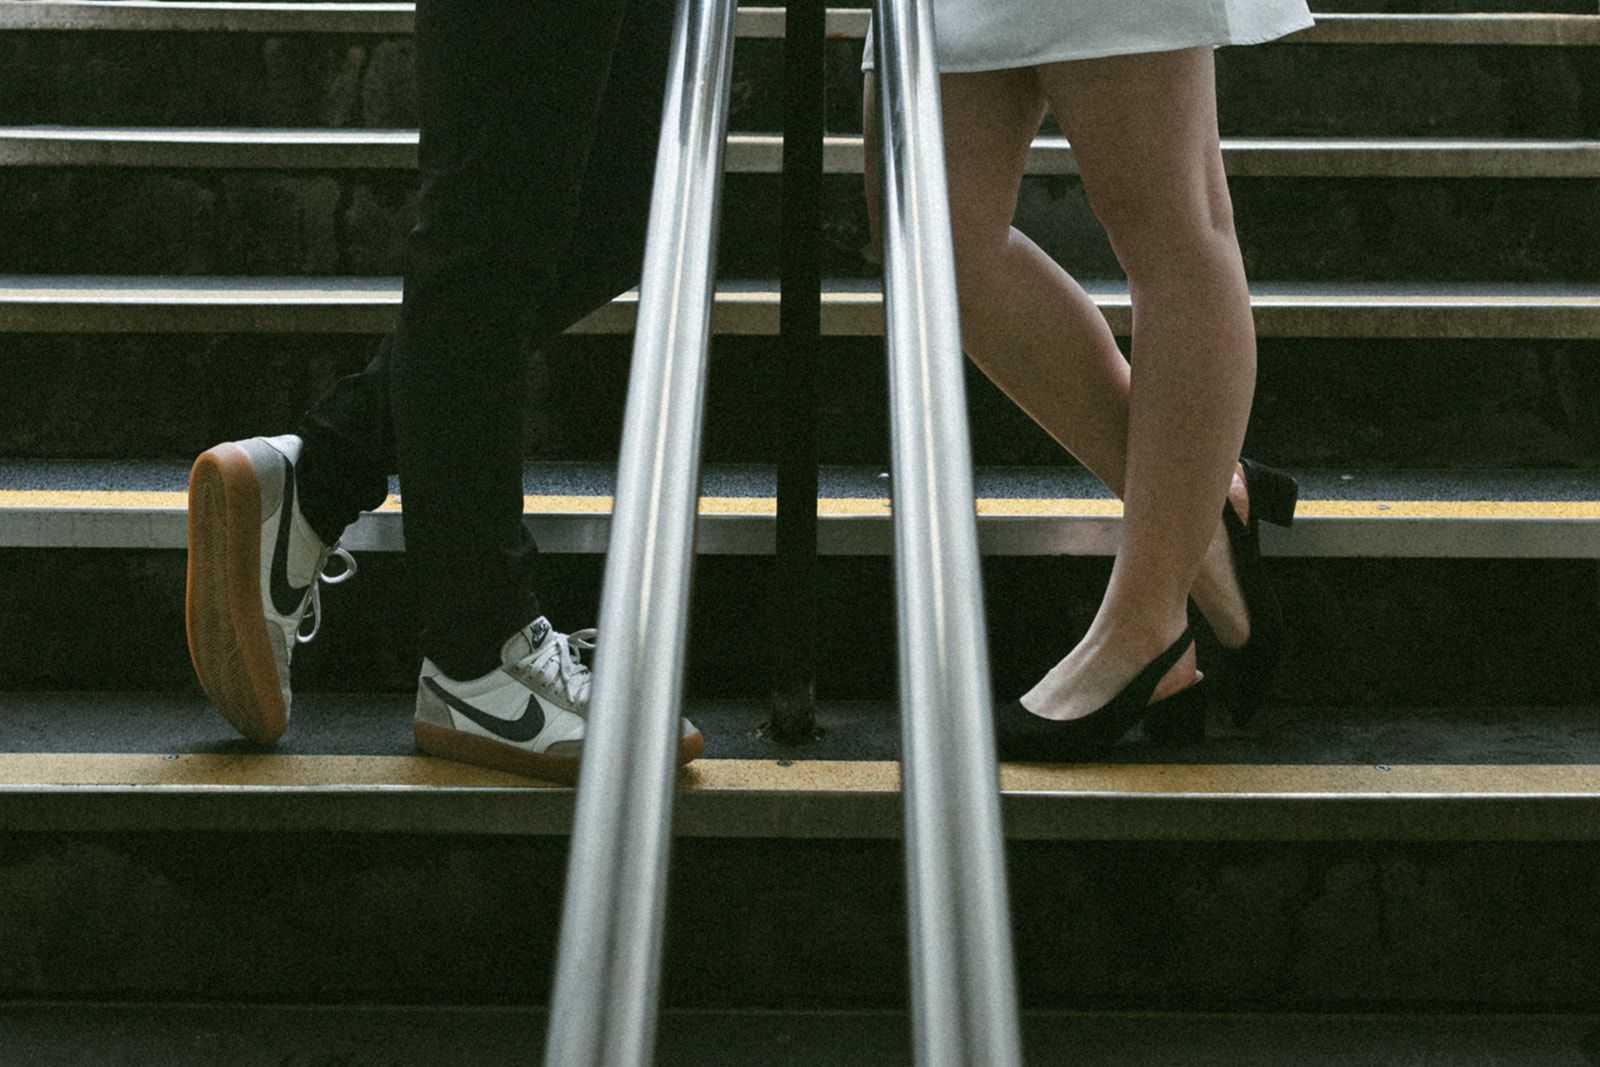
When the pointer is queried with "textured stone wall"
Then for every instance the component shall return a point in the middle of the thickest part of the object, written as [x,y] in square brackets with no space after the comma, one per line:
[207,79]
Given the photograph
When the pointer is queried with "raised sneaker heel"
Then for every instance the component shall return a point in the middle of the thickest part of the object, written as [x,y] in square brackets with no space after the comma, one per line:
[254,573]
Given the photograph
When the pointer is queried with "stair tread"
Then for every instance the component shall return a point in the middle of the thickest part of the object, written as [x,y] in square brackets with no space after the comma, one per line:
[321,148]
[396,18]
[850,307]
[1021,511]
[126,483]
[379,725]
[143,761]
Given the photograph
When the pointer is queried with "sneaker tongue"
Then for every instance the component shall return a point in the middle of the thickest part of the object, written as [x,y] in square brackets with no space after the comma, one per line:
[525,640]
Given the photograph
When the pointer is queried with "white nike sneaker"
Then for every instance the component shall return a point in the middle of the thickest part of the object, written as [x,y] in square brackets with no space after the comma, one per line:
[527,716]
[255,565]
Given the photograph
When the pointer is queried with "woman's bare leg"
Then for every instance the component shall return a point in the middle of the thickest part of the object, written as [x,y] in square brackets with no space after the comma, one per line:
[1024,321]
[1040,337]
[1145,137]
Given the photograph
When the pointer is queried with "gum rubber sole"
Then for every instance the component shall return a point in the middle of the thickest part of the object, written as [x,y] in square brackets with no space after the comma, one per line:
[482,751]
[227,627]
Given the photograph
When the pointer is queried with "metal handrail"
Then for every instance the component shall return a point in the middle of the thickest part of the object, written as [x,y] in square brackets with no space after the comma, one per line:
[603,1009]
[963,987]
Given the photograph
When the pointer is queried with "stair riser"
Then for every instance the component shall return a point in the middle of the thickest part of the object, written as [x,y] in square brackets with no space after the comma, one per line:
[1319,403]
[797,924]
[207,79]
[365,80]
[1409,90]
[1366,633]
[75,220]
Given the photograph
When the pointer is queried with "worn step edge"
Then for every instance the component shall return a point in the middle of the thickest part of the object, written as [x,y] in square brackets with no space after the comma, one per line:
[755,153]
[105,304]
[397,18]
[803,799]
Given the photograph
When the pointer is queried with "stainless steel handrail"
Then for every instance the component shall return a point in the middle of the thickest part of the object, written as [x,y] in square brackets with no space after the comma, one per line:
[603,1010]
[963,988]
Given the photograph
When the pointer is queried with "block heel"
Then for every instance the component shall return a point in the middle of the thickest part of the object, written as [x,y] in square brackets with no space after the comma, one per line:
[1273,494]
[1245,674]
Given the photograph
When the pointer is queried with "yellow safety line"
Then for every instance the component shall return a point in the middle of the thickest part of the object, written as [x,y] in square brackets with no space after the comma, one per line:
[810,776]
[986,506]
[59,498]
[1271,779]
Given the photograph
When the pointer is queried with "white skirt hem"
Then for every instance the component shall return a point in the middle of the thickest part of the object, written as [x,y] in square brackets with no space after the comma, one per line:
[1293,17]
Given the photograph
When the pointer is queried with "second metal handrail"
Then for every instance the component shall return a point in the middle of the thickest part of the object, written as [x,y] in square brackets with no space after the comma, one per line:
[963,989]
[603,1009]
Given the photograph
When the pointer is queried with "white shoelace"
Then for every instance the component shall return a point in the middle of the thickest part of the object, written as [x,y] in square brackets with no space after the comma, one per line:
[314,595]
[557,663]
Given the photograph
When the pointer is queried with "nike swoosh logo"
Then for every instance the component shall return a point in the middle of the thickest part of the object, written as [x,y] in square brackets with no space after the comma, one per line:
[518,730]
[285,597]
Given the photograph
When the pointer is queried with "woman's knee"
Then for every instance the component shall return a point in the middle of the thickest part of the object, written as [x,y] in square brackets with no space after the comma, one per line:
[1162,220]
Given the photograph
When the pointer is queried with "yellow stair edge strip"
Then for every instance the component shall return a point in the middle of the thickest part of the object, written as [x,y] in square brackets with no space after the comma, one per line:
[48,771]
[988,507]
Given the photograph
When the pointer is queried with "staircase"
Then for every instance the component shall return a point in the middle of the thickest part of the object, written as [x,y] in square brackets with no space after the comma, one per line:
[204,205]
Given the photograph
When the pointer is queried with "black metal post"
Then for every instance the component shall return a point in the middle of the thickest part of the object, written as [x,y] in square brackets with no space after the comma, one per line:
[800,339]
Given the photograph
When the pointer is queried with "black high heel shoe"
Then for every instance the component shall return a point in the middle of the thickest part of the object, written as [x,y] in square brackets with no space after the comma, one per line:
[1243,674]
[1024,737]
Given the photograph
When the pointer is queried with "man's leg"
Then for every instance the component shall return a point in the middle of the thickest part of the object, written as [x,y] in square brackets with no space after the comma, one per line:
[349,449]
[505,156]
[606,246]
[481,270]
[510,94]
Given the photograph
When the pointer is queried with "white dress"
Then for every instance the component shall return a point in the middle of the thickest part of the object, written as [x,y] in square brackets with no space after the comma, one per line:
[1003,34]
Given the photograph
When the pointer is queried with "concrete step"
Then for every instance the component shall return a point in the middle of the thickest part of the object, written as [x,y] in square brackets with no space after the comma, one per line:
[141,762]
[851,308]
[1340,882]
[1415,605]
[407,1035]
[1021,512]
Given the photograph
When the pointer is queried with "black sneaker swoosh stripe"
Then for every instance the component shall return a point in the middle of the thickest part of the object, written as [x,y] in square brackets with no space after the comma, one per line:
[286,599]
[517,731]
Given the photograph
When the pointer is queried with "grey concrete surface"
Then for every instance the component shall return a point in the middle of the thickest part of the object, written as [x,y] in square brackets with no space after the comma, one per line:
[379,724]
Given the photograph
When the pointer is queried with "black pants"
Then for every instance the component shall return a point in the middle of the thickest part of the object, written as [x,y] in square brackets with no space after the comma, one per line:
[539,122]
